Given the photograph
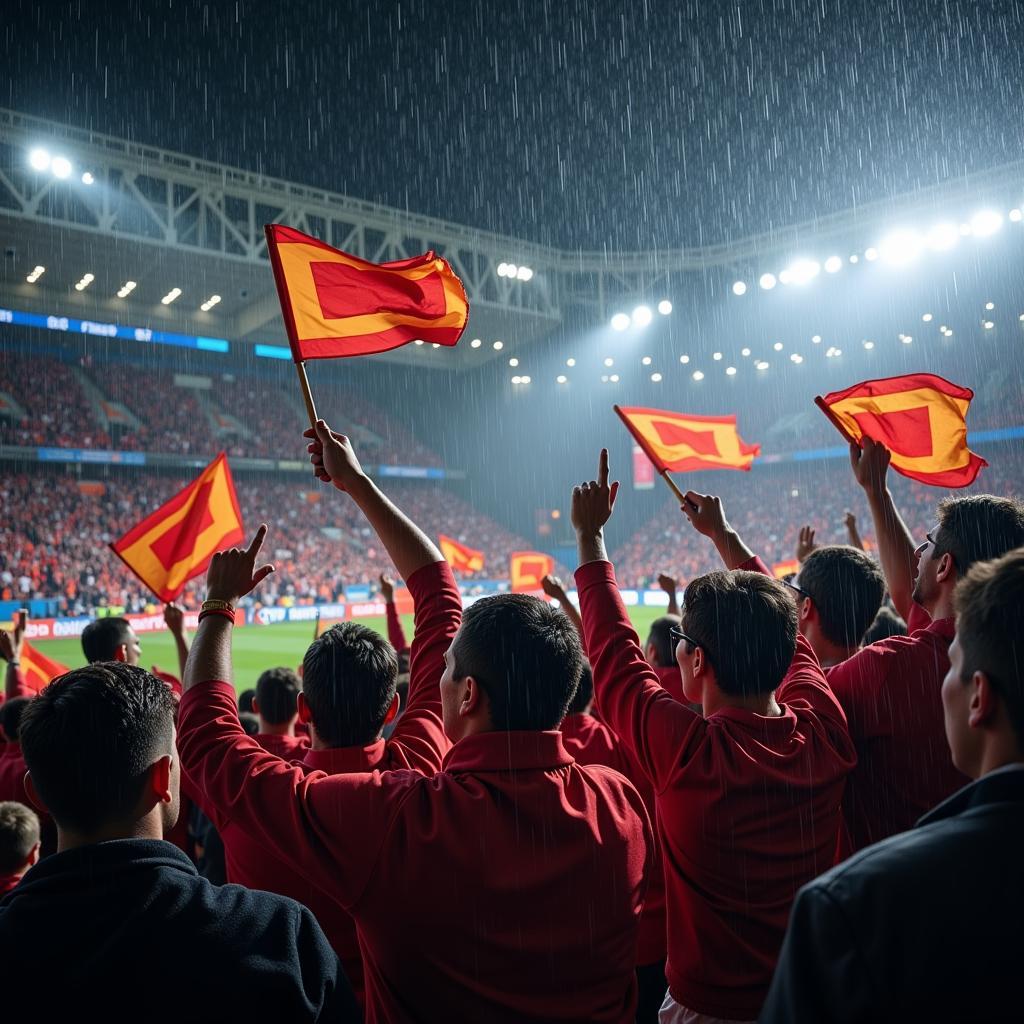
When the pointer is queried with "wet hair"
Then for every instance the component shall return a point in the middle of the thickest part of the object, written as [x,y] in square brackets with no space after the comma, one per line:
[276,690]
[846,587]
[989,603]
[245,699]
[660,638]
[348,678]
[250,723]
[746,623]
[102,637]
[90,738]
[887,623]
[11,713]
[526,656]
[978,528]
[584,692]
[19,833]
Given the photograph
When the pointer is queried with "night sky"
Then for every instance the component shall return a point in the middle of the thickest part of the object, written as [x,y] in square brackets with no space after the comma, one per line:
[591,124]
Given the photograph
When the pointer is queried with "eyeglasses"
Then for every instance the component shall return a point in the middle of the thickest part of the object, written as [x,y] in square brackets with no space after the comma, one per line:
[677,635]
[793,585]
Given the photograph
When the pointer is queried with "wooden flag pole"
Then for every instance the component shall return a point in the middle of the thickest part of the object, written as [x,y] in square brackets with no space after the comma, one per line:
[833,419]
[672,486]
[307,395]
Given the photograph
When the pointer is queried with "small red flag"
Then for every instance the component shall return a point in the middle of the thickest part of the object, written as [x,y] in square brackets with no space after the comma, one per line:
[335,304]
[920,417]
[37,670]
[527,569]
[460,557]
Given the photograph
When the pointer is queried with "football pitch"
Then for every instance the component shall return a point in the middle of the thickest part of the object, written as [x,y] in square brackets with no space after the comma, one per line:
[260,647]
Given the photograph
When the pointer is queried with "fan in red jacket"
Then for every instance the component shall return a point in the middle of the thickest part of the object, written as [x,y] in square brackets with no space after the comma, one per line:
[748,793]
[467,888]
[276,707]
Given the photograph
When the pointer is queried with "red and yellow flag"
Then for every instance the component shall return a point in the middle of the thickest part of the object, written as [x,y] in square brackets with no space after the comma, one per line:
[920,418]
[176,542]
[679,443]
[790,567]
[338,305]
[459,556]
[527,569]
[37,670]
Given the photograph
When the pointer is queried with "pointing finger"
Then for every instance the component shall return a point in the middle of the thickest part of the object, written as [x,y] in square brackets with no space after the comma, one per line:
[602,468]
[257,542]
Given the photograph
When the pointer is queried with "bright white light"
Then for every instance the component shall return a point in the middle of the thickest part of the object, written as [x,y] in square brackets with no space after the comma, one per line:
[87,178]
[511,270]
[990,305]
[210,303]
[927,318]
[831,351]
[983,223]
[498,346]
[816,339]
[435,344]
[646,361]
[989,325]
[871,254]
[39,159]
[731,371]
[855,258]
[943,237]
[664,307]
[526,380]
[561,378]
[796,358]
[900,248]
[614,378]
[502,269]
[717,356]
[524,273]
[513,361]
[948,332]
[517,380]
[869,345]
[767,281]
[745,352]
[833,264]
[804,271]
[604,378]
[697,375]
[965,229]
[906,338]
[475,343]
[570,362]
[61,167]
[684,359]
[87,279]
[620,321]
[609,361]
[739,288]
[641,316]
[786,276]
[777,346]
[37,272]
[656,377]
[127,288]
[1015,215]
[171,296]
[418,341]
[761,365]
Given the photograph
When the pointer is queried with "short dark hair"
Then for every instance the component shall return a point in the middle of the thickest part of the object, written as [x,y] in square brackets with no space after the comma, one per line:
[660,638]
[978,528]
[525,654]
[887,623]
[11,713]
[989,604]
[348,677]
[746,624]
[245,699]
[250,723]
[846,587]
[584,692]
[102,637]
[90,737]
[276,689]
[19,832]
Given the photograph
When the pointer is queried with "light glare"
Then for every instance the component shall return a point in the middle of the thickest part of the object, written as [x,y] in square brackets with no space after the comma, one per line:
[39,159]
[61,167]
[739,288]
[664,307]
[767,281]
[641,316]
[620,321]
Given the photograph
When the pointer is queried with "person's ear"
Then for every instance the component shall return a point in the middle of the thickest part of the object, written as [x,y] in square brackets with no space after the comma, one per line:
[30,788]
[302,706]
[699,662]
[807,610]
[33,857]
[984,702]
[946,569]
[121,654]
[396,703]
[160,779]
[472,697]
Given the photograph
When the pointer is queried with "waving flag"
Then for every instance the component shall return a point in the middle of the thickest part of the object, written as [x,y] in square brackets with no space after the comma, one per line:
[459,556]
[527,569]
[37,669]
[790,567]
[676,442]
[920,418]
[176,542]
[335,304]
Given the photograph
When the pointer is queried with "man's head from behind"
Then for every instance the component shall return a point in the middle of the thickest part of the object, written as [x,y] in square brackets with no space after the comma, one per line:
[513,665]
[275,700]
[348,685]
[983,692]
[742,629]
[970,529]
[660,649]
[839,590]
[99,745]
[19,838]
[111,639]
[11,713]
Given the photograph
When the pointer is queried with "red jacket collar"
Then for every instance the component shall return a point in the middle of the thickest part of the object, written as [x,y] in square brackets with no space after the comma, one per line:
[508,751]
[345,760]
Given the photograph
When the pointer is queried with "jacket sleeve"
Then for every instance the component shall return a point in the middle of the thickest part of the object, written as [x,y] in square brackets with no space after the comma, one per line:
[821,974]
[654,727]
[321,980]
[419,732]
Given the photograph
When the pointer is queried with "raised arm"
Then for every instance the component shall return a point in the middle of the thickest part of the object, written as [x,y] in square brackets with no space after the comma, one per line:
[707,517]
[552,586]
[174,617]
[852,533]
[896,548]
[805,543]
[671,587]
[11,645]
[652,725]
[396,634]
[334,461]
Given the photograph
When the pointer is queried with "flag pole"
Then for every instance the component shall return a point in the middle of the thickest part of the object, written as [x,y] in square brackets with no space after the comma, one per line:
[307,395]
[672,486]
[833,419]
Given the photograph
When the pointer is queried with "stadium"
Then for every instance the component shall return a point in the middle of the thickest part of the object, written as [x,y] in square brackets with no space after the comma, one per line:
[145,330]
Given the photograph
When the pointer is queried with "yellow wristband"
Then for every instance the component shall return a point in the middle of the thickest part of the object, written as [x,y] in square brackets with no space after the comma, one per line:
[218,606]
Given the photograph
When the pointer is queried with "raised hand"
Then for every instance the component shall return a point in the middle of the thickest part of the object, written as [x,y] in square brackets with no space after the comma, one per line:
[667,583]
[870,464]
[387,588]
[12,642]
[333,458]
[233,573]
[552,586]
[850,521]
[174,619]
[592,502]
[705,513]
[805,543]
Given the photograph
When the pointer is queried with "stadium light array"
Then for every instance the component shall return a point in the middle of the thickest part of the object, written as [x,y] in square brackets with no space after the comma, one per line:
[646,361]
[475,343]
[609,361]
[761,364]
[745,352]
[498,346]
[614,378]
[739,287]
[561,378]
[717,356]
[514,271]
[210,303]
[126,289]
[620,321]
[87,178]
[698,375]
[37,272]
[664,307]
[171,296]
[641,316]
[656,377]
[730,371]
[684,359]
[513,361]
[86,280]
[570,362]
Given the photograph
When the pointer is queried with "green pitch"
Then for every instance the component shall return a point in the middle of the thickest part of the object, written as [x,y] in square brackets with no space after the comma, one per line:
[259,647]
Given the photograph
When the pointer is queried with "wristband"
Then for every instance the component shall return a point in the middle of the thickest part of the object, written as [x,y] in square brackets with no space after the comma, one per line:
[213,605]
[223,612]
